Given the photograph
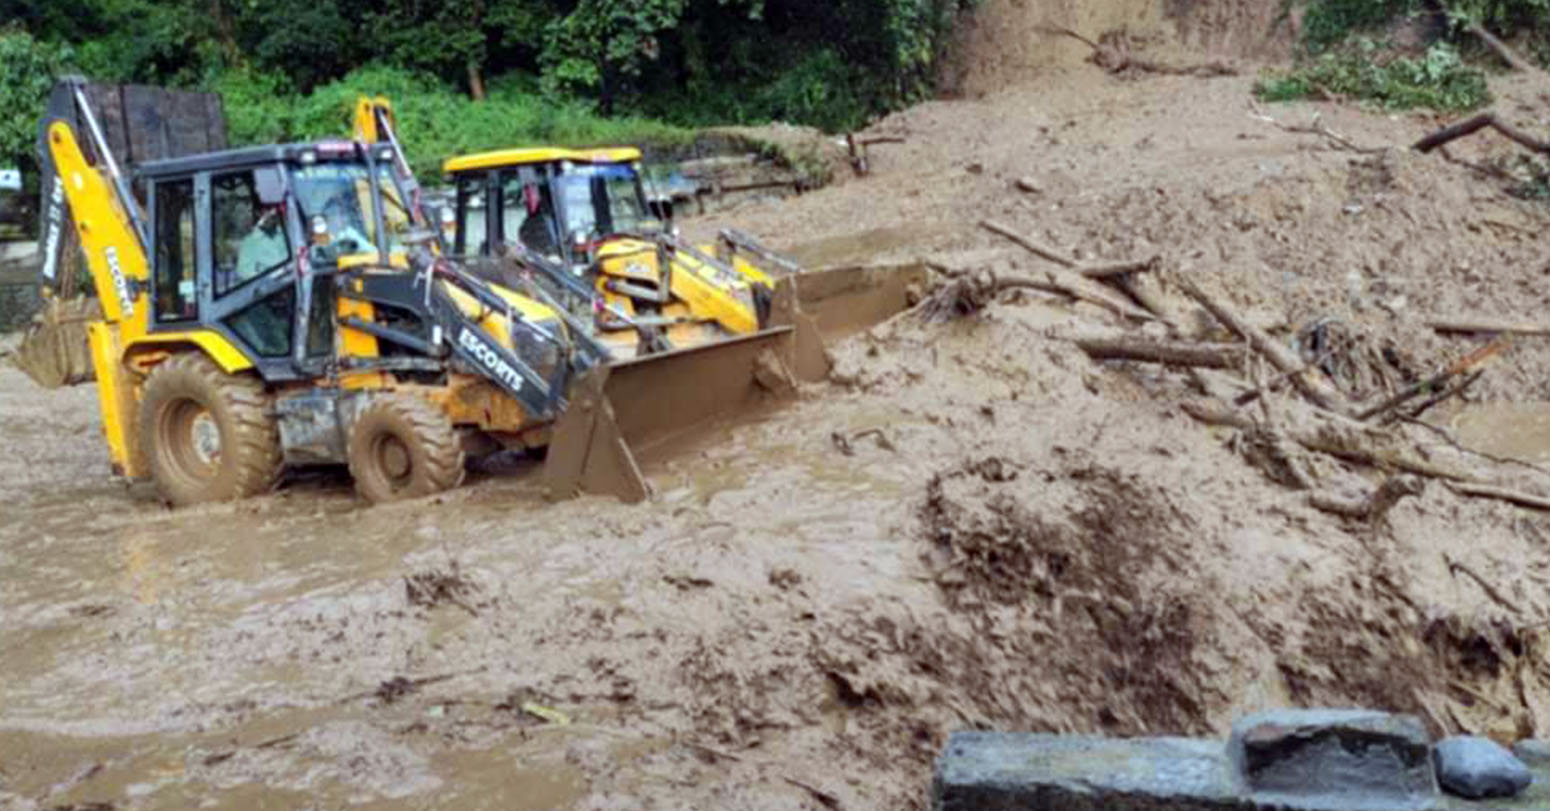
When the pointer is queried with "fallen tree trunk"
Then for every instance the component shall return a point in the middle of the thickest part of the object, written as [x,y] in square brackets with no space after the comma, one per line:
[1175,353]
[1469,126]
[1321,393]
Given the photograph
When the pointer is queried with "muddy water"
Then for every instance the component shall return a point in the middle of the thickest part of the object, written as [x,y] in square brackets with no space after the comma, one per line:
[1514,430]
[231,654]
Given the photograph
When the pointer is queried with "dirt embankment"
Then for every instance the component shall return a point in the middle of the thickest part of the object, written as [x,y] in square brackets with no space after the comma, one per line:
[973,524]
[1009,42]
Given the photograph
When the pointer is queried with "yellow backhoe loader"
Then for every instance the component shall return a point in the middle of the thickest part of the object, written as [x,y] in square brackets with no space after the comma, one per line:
[292,304]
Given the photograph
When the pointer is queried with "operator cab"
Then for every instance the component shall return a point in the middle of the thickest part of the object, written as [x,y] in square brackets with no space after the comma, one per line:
[244,240]
[557,204]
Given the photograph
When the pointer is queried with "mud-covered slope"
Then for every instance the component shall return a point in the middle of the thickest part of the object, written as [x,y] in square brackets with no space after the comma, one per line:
[1008,42]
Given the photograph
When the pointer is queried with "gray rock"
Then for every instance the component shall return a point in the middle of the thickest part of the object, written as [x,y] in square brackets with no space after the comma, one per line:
[1533,751]
[1477,768]
[988,771]
[1335,758]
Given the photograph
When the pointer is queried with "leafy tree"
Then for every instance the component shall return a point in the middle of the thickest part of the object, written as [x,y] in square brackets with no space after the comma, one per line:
[603,43]
[27,70]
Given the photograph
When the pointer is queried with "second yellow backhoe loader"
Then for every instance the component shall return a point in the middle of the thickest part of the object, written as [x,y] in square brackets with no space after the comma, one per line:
[292,304]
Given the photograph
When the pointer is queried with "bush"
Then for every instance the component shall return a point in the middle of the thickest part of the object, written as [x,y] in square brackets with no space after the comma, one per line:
[1437,80]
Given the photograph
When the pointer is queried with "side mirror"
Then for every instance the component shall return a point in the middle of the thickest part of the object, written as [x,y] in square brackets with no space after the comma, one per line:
[269,185]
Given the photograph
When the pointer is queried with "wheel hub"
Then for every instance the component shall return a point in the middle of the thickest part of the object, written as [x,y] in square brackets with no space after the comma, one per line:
[394,457]
[205,438]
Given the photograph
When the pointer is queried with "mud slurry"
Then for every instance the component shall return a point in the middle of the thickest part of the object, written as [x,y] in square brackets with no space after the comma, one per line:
[970,525]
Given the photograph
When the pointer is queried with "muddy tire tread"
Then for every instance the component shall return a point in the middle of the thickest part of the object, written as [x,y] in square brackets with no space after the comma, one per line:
[255,440]
[440,467]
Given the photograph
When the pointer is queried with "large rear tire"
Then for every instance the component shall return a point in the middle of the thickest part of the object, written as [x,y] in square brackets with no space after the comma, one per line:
[402,447]
[208,435]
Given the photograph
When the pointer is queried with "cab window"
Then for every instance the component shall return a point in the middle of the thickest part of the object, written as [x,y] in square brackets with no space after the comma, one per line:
[248,239]
[176,296]
[527,213]
[471,207]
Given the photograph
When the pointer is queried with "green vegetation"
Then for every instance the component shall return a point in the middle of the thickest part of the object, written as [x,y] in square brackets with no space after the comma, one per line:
[474,74]
[1350,50]
[1438,79]
[437,122]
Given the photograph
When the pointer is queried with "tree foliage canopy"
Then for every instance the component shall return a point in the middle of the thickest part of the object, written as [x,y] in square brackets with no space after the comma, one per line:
[542,66]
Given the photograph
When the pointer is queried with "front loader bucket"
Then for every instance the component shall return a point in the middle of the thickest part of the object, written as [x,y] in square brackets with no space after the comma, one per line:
[620,412]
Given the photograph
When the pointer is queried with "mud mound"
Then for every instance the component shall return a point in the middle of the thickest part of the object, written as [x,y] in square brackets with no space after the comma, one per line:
[1011,41]
[1084,560]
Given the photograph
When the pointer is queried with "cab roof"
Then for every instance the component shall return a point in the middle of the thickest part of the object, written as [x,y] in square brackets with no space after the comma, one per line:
[530,155]
[244,157]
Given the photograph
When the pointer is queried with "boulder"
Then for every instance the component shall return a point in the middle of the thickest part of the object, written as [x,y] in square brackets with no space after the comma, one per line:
[1335,758]
[1477,768]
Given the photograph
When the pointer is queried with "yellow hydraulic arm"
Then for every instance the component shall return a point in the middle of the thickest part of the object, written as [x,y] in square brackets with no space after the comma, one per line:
[120,272]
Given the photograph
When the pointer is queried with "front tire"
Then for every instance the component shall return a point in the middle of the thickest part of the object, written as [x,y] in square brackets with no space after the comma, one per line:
[402,447]
[208,435]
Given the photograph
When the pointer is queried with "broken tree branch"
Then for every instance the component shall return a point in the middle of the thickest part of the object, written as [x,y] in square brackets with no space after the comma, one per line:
[1469,126]
[1117,59]
[1456,567]
[1316,127]
[1059,281]
[1321,393]
[1487,325]
[1502,494]
[1174,353]
[1501,49]
[1032,247]
[1462,365]
[1323,442]
[1375,506]
[1120,268]
[1447,394]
